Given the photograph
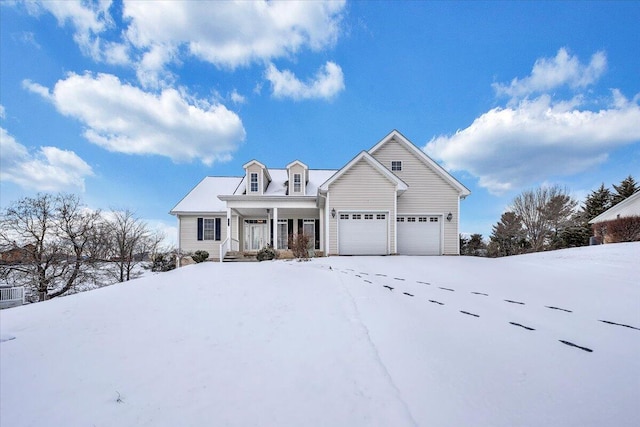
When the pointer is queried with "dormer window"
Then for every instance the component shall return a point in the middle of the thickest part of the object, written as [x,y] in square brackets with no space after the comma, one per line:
[297,183]
[254,183]
[396,165]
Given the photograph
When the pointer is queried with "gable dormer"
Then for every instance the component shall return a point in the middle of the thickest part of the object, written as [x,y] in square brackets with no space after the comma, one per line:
[257,178]
[298,176]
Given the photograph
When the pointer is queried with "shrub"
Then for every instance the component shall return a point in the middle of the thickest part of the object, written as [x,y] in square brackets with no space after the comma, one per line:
[267,253]
[299,245]
[200,256]
[626,229]
[163,262]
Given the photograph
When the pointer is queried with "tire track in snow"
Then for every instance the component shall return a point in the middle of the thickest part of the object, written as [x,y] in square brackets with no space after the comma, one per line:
[376,353]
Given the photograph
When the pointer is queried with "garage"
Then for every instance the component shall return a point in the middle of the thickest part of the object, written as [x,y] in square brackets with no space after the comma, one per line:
[363,233]
[419,234]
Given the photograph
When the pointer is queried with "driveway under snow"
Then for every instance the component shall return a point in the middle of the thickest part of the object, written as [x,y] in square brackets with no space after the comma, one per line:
[547,339]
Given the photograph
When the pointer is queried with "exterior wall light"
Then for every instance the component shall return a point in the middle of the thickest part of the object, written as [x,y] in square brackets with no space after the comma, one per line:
[333,213]
[449,216]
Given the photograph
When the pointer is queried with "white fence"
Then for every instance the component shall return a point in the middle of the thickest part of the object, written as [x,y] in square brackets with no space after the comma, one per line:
[11,297]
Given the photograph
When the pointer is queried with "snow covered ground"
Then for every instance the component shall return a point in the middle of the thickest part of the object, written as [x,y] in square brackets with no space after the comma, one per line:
[549,339]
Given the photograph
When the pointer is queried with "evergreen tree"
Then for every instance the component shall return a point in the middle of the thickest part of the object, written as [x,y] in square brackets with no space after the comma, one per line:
[476,245]
[627,187]
[507,237]
[463,244]
[559,211]
[597,202]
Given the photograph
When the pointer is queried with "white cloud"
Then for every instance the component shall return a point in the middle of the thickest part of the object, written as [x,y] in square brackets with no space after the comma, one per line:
[326,84]
[48,169]
[507,148]
[125,119]
[550,73]
[236,98]
[233,34]
[88,18]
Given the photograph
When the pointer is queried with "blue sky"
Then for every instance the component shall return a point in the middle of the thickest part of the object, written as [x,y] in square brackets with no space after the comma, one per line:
[131,104]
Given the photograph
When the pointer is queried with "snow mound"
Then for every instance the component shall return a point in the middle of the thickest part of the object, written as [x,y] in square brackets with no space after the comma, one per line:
[544,339]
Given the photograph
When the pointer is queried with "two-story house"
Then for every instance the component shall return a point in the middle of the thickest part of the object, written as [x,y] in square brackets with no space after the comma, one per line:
[392,199]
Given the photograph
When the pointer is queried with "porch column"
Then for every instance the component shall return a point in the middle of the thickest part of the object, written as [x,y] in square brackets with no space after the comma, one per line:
[229,228]
[275,228]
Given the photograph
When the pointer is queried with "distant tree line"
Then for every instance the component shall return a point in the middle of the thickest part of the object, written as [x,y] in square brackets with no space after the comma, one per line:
[548,218]
[54,245]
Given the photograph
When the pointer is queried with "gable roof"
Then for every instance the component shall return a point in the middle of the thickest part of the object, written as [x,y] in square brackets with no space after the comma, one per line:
[203,197]
[298,162]
[254,161]
[401,185]
[628,207]
[398,137]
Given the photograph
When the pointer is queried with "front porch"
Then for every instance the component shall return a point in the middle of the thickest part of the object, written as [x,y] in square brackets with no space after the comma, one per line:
[251,228]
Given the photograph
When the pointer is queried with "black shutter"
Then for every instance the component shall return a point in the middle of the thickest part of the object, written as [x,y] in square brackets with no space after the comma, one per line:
[217,231]
[317,234]
[289,228]
[271,231]
[200,228]
[299,226]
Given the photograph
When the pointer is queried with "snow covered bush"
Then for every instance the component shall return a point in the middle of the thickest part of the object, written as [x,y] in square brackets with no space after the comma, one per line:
[200,256]
[267,253]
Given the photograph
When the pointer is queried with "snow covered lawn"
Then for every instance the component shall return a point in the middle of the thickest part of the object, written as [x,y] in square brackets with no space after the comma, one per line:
[550,339]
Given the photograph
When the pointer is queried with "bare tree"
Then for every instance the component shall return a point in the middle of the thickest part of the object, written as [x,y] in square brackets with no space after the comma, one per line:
[50,233]
[542,211]
[131,242]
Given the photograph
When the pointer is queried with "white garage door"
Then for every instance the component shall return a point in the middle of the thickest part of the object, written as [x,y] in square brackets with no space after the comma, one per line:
[419,235]
[363,233]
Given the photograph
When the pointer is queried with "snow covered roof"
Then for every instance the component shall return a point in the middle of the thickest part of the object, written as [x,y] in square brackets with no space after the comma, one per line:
[628,207]
[204,196]
[279,178]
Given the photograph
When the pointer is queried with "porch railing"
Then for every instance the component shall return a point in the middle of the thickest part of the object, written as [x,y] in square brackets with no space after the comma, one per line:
[229,244]
[11,297]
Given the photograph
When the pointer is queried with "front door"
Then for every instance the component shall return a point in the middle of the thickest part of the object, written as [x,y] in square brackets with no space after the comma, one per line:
[255,234]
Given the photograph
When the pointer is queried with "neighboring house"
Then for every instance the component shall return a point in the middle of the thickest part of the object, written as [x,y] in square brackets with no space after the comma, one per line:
[629,207]
[392,199]
[16,255]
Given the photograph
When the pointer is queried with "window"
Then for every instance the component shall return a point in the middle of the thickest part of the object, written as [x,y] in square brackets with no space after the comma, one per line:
[433,219]
[344,216]
[297,185]
[381,216]
[368,216]
[411,219]
[283,234]
[254,183]
[209,228]
[422,219]
[396,165]
[357,216]
[400,219]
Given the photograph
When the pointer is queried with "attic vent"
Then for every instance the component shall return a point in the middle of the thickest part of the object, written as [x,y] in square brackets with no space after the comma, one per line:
[396,165]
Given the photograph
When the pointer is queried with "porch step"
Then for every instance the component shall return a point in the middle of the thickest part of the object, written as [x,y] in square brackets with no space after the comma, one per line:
[234,256]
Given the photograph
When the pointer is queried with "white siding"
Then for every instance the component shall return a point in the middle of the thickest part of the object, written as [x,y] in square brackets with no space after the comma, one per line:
[297,169]
[428,192]
[189,235]
[262,179]
[361,188]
